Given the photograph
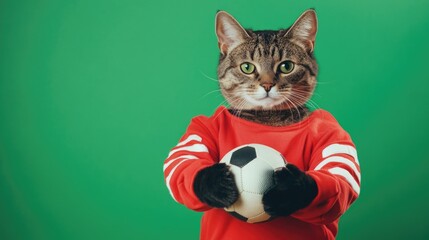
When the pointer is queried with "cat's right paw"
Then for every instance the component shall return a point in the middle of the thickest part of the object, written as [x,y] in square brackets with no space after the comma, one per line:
[215,186]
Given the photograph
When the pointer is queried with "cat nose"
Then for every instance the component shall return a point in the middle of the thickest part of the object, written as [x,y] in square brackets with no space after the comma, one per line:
[267,86]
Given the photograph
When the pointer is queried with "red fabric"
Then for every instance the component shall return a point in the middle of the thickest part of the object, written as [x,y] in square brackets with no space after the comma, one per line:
[317,145]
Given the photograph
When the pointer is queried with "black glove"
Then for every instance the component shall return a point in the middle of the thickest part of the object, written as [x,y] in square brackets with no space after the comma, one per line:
[215,186]
[292,190]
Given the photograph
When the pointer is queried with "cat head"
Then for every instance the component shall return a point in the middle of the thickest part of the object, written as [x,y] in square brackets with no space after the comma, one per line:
[266,69]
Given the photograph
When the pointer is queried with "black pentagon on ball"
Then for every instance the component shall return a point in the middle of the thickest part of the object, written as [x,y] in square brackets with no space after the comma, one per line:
[237,215]
[243,156]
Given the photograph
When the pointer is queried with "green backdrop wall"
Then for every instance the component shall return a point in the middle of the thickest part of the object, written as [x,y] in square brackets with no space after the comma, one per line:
[93,94]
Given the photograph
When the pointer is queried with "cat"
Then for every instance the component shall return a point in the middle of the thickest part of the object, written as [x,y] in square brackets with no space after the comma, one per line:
[267,77]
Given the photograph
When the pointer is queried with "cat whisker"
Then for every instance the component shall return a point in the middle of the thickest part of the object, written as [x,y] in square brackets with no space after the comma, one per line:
[229,101]
[210,78]
[306,92]
[313,104]
[294,105]
[289,106]
[222,110]
[240,107]
[325,82]
[305,98]
[217,90]
[297,109]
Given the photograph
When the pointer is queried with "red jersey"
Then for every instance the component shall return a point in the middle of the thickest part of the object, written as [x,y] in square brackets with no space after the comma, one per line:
[317,145]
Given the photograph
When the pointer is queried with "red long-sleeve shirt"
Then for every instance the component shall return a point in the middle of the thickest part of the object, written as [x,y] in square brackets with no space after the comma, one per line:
[317,145]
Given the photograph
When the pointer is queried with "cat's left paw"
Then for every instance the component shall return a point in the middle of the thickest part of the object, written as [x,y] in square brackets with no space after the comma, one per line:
[292,190]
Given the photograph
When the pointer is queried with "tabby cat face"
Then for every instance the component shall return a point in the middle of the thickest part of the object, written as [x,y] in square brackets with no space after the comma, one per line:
[267,69]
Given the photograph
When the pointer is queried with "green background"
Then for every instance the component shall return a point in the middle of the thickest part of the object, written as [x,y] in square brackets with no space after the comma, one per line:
[93,94]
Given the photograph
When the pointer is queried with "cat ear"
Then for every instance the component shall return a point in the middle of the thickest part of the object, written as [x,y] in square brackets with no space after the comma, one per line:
[303,31]
[229,32]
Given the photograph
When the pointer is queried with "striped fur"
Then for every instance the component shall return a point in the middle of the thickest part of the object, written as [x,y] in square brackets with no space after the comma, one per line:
[267,50]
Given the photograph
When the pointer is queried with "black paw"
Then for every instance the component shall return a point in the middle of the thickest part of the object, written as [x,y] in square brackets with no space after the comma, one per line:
[292,190]
[215,186]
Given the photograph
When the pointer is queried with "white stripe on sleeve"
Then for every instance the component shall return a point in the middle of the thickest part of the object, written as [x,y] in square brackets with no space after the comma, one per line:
[339,159]
[174,159]
[190,138]
[349,178]
[171,174]
[199,147]
[340,148]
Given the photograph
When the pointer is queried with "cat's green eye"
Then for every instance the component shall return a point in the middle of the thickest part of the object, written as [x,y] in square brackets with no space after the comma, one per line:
[286,67]
[247,68]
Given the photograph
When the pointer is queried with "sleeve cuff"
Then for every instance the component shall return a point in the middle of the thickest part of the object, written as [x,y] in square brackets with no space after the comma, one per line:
[325,200]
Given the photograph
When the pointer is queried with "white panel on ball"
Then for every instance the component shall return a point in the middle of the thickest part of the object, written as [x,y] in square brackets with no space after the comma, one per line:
[236,171]
[257,176]
[249,204]
[273,158]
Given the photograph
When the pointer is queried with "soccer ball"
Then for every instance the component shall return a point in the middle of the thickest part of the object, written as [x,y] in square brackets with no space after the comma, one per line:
[253,167]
